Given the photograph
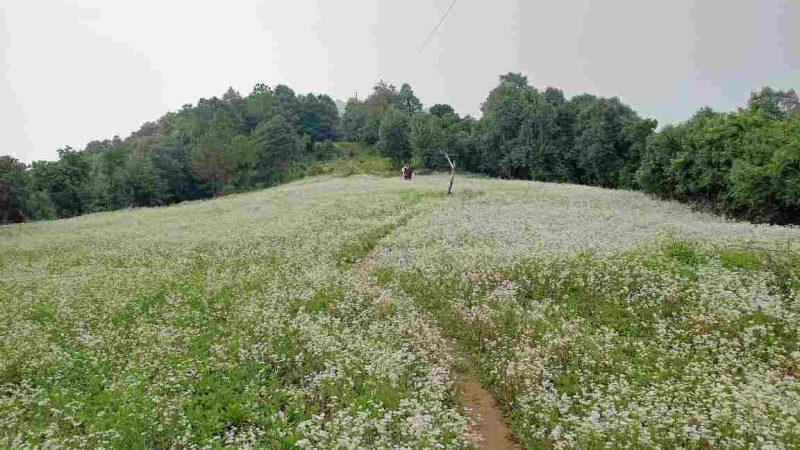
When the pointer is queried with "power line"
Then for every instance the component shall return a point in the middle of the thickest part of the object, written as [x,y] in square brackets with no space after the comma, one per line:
[430,36]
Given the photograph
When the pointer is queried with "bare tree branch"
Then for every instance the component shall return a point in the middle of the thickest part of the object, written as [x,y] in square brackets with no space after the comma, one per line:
[452,163]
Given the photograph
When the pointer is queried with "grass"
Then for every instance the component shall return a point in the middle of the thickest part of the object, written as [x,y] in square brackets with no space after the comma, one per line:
[353,159]
[598,318]
[225,323]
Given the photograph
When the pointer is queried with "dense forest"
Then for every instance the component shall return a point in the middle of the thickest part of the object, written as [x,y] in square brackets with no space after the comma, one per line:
[745,164]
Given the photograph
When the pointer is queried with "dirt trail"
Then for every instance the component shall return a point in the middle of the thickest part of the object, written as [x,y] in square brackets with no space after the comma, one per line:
[477,401]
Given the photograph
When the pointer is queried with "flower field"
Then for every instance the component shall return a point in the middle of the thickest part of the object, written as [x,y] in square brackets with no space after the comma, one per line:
[599,319]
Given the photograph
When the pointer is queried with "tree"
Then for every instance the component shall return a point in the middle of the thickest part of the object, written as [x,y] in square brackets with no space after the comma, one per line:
[232,97]
[65,182]
[440,110]
[432,136]
[177,181]
[285,104]
[607,134]
[258,106]
[504,110]
[355,123]
[108,182]
[277,146]
[381,99]
[236,109]
[774,104]
[452,172]
[745,163]
[213,164]
[635,133]
[145,188]
[515,79]
[427,139]
[655,173]
[245,159]
[13,190]
[378,104]
[406,101]
[319,117]
[394,136]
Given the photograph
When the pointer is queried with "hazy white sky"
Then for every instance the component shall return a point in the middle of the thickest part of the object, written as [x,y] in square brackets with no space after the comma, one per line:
[74,71]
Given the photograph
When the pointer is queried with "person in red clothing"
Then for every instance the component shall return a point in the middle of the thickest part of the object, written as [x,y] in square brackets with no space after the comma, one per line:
[407,171]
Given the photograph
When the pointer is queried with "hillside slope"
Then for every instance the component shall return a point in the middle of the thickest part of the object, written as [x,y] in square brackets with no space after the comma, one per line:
[596,317]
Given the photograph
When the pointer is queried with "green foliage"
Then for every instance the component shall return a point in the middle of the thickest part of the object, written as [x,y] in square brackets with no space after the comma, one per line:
[414,197]
[65,182]
[325,150]
[384,276]
[683,251]
[394,136]
[352,251]
[440,110]
[350,158]
[277,146]
[318,118]
[324,299]
[531,134]
[14,180]
[745,164]
[741,259]
[213,164]
[356,125]
[406,101]
[219,145]
[774,104]
[433,135]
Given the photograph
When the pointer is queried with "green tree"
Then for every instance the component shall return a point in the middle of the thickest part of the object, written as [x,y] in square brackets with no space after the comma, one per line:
[432,136]
[65,182]
[394,135]
[319,117]
[378,104]
[406,101]
[213,163]
[277,146]
[144,186]
[245,159]
[355,123]
[258,106]
[440,110]
[177,181]
[108,178]
[285,104]
[14,182]
[745,164]
[772,103]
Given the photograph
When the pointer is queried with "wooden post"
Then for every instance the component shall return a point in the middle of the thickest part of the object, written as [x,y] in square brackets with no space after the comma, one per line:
[452,172]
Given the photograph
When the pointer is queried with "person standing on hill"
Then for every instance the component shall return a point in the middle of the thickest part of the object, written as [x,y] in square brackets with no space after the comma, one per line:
[407,171]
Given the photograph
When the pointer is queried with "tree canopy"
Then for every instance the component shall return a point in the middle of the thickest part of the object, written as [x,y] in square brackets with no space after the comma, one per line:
[744,163]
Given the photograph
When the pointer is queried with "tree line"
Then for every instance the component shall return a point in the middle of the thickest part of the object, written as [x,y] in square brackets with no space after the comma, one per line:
[744,163]
[220,145]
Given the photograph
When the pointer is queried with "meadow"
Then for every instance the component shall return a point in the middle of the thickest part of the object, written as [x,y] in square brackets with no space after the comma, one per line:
[598,318]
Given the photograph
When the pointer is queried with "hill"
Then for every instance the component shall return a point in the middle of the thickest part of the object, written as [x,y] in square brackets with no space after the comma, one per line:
[742,164]
[596,318]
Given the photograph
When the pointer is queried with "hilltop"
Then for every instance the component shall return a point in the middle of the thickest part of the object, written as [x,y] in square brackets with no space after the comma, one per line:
[741,164]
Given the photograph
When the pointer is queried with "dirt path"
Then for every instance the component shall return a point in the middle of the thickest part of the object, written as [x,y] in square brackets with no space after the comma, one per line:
[478,402]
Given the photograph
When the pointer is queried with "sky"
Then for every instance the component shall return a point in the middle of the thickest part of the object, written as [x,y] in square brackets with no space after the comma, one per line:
[76,71]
